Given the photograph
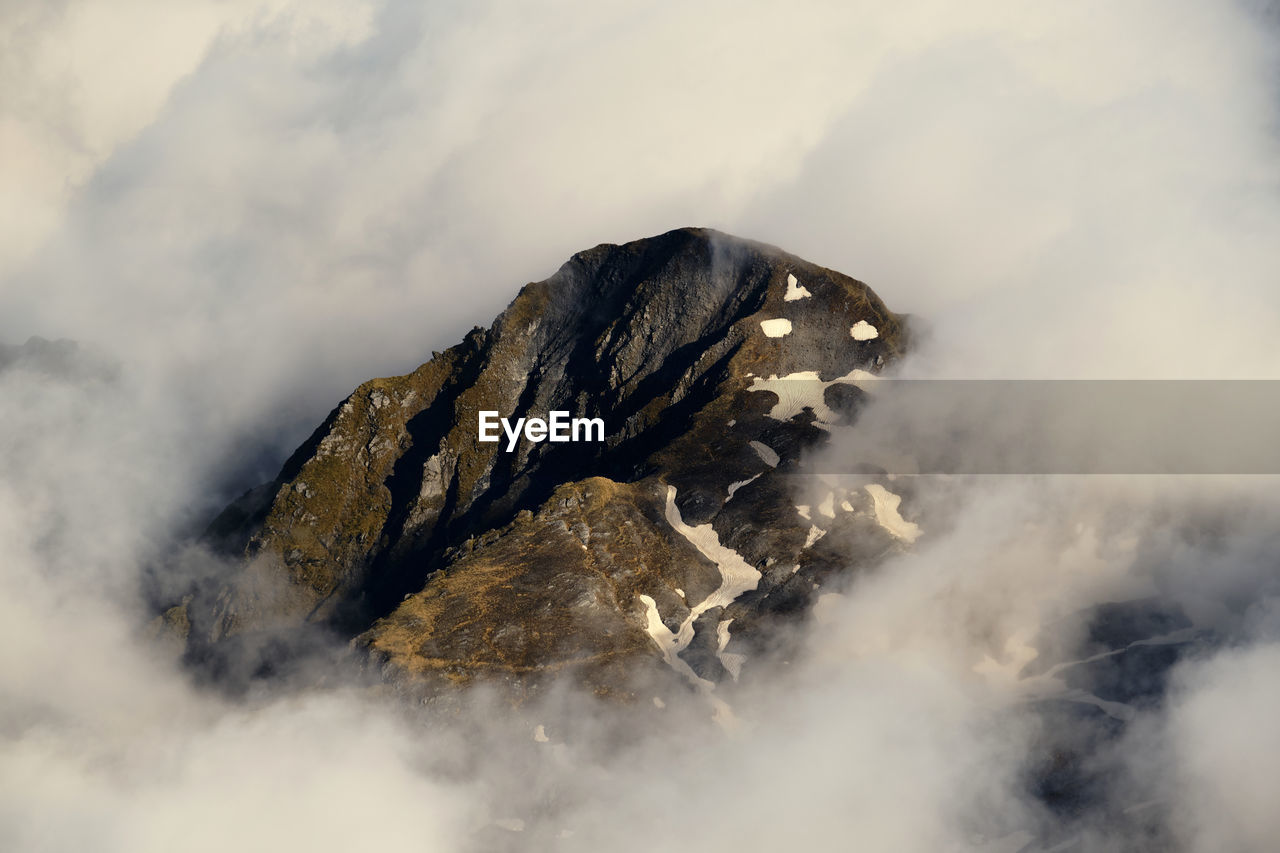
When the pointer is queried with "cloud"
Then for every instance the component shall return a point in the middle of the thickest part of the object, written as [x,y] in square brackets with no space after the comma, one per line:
[249,207]
[1225,739]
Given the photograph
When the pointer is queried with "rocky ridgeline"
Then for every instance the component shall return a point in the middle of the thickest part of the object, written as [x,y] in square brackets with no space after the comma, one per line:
[673,547]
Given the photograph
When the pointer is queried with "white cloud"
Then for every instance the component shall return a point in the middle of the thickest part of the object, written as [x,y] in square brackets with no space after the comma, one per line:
[253,206]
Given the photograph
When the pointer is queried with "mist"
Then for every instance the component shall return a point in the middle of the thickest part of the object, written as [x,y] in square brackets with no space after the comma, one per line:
[240,210]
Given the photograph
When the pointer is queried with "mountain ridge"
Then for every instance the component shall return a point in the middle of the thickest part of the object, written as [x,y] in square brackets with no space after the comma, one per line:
[389,525]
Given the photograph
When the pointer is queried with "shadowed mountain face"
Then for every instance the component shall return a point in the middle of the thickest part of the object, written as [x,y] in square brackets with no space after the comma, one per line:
[672,546]
[61,360]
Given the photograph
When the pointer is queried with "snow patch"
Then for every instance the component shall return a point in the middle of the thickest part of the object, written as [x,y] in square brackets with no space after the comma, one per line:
[540,734]
[1178,637]
[736,577]
[722,635]
[803,509]
[828,505]
[805,390]
[669,643]
[766,453]
[863,331]
[855,377]
[736,574]
[729,660]
[776,328]
[733,487]
[886,506]
[794,290]
[815,533]
[1115,710]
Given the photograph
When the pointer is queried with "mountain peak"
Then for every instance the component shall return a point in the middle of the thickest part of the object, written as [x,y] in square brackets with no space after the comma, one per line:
[448,555]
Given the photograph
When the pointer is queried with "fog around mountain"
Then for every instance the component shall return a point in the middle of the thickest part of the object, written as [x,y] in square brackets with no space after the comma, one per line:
[241,210]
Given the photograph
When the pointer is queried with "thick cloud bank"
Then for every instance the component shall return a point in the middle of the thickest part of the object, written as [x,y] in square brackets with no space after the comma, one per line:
[241,209]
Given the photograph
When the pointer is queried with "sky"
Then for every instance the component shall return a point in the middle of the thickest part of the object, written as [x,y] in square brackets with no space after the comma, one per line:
[247,208]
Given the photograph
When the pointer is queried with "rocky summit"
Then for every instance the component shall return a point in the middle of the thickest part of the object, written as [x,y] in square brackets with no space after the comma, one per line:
[674,547]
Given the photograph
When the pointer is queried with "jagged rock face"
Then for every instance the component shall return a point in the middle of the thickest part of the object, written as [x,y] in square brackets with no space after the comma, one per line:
[448,559]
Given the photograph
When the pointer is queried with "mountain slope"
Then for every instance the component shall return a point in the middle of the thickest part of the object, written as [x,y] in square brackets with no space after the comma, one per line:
[672,545]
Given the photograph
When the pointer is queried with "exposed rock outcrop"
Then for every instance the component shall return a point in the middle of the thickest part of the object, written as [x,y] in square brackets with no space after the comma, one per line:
[714,362]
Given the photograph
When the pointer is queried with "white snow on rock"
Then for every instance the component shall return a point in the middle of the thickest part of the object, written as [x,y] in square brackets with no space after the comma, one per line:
[794,290]
[886,506]
[540,734]
[837,499]
[776,328]
[729,660]
[815,533]
[766,453]
[1052,674]
[795,391]
[863,331]
[736,577]
[805,390]
[658,703]
[736,574]
[733,487]
[669,644]
[856,377]
[803,509]
[1115,710]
